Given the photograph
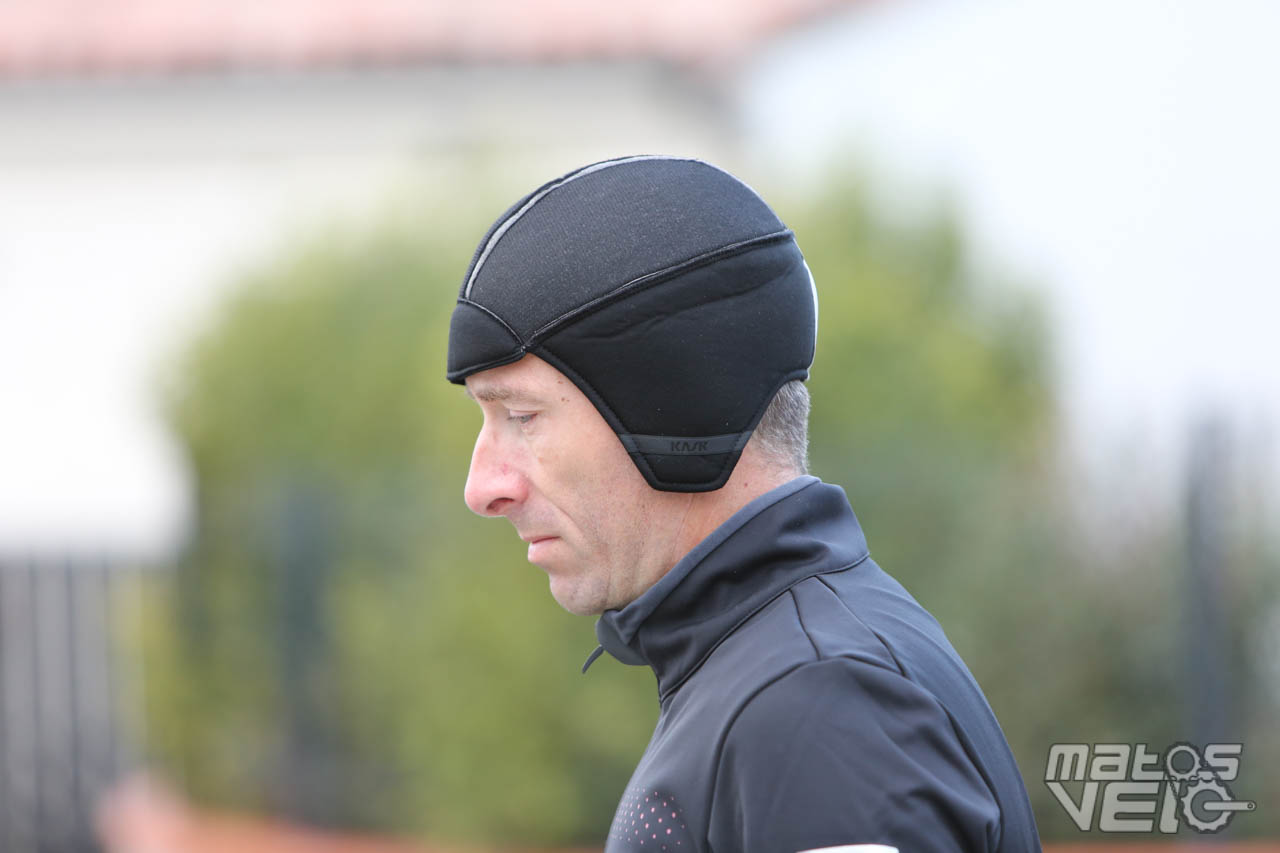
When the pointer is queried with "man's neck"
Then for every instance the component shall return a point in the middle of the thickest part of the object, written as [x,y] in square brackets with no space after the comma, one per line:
[708,510]
[704,512]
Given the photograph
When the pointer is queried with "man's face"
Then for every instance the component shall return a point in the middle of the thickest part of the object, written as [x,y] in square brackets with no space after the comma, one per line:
[547,460]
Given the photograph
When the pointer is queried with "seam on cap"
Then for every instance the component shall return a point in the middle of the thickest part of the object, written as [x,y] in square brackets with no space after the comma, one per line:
[464,301]
[538,196]
[518,353]
[459,376]
[659,276]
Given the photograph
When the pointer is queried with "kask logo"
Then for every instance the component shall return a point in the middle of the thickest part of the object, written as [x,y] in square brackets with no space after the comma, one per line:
[1142,791]
[680,445]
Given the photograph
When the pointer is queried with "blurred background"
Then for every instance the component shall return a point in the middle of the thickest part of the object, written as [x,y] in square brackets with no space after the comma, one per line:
[242,605]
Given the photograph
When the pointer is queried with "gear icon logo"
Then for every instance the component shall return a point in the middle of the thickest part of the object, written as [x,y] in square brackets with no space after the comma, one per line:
[1131,788]
[1193,790]
[1207,802]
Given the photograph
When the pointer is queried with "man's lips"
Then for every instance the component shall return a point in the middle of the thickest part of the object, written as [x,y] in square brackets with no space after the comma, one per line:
[537,547]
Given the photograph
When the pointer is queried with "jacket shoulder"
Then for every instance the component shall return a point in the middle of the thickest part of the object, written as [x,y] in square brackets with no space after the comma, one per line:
[846,751]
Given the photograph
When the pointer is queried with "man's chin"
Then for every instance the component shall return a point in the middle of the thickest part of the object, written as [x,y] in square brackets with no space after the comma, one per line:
[572,597]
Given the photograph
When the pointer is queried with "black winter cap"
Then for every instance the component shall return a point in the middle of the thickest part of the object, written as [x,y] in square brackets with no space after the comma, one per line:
[665,289]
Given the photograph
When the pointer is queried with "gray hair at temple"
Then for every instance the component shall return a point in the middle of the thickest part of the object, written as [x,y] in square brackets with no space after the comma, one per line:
[783,431]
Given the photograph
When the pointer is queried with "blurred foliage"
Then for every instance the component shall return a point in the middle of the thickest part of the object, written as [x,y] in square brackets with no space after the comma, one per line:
[344,643]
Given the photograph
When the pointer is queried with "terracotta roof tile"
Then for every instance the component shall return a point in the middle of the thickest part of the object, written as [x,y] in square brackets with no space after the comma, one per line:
[85,36]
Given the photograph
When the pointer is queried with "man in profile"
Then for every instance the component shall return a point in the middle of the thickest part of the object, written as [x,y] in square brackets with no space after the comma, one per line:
[637,334]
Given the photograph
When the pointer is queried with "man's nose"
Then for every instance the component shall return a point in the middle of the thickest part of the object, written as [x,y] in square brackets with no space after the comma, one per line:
[494,483]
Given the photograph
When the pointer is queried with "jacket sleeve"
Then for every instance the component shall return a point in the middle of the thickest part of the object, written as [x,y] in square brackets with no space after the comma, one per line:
[843,752]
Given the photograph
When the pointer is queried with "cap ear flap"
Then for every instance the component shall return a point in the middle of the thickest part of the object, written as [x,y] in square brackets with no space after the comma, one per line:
[478,340]
[684,369]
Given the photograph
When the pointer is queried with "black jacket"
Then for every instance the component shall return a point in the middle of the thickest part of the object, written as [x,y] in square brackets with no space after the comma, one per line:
[807,700]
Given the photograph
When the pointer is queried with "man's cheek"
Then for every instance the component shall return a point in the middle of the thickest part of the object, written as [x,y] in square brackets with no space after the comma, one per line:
[576,467]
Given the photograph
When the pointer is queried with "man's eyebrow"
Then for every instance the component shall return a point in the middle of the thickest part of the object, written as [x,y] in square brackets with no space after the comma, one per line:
[499,394]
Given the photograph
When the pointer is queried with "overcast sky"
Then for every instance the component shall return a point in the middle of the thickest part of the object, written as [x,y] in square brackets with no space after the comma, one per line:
[1125,154]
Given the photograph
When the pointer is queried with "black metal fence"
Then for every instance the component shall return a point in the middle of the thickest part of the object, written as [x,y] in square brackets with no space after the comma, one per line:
[65,694]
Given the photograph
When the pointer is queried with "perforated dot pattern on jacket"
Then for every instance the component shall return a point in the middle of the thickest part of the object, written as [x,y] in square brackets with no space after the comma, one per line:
[648,819]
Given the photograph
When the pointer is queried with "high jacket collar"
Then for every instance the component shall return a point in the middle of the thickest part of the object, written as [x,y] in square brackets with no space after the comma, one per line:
[800,529]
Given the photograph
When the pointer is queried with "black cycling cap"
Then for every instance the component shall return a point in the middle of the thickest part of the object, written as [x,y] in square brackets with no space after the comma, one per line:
[665,289]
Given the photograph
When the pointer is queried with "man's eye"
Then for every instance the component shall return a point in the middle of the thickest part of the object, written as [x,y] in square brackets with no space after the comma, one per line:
[521,418]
